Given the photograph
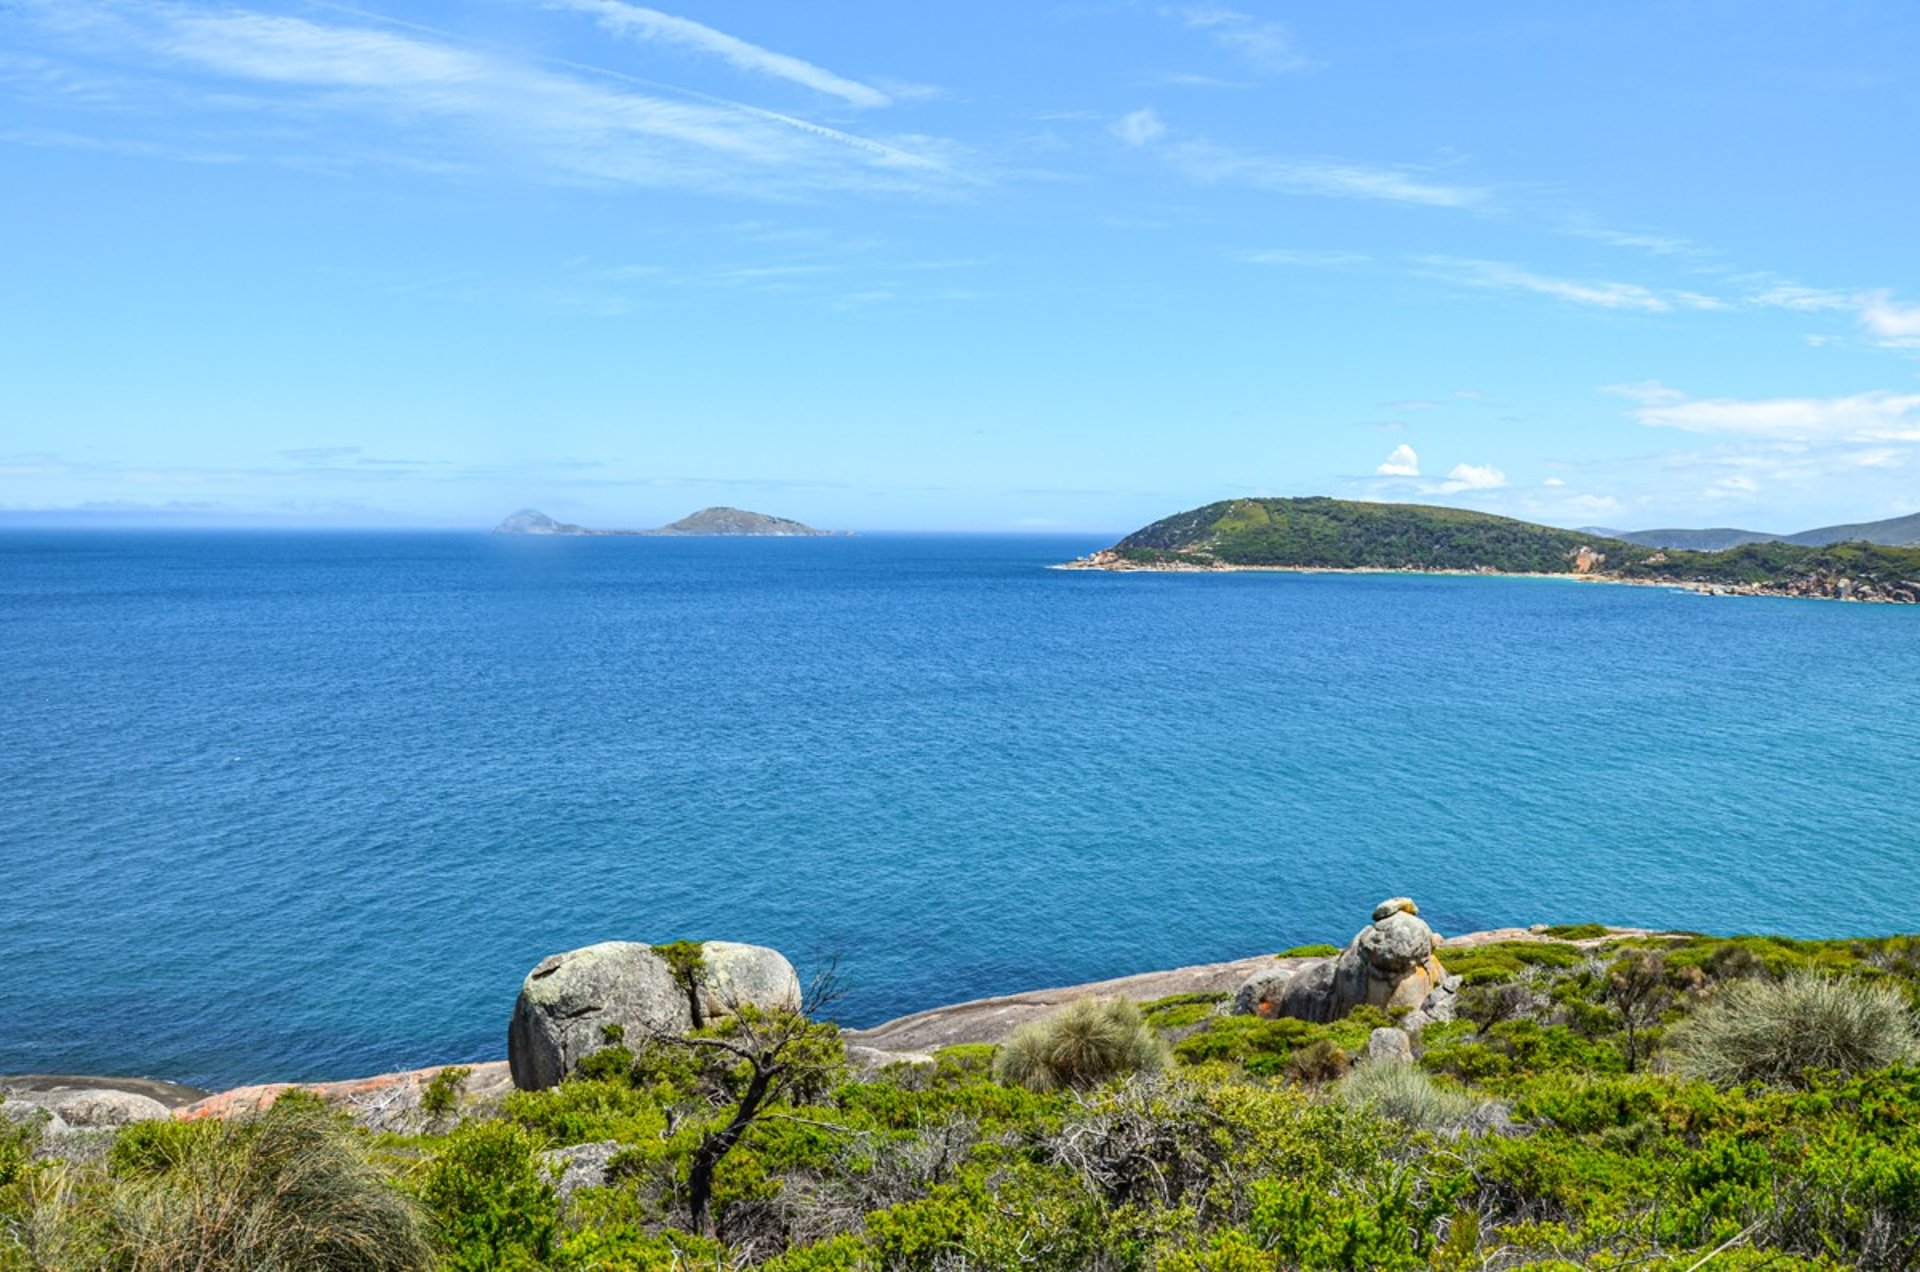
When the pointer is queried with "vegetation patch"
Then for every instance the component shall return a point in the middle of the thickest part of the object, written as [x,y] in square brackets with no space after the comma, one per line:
[1739,1103]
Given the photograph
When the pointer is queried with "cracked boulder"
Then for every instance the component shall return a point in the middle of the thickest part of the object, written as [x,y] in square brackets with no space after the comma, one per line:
[1390,964]
[574,1004]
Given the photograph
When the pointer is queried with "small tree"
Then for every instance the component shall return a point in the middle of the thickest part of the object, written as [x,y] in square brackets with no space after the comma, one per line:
[1638,993]
[752,1060]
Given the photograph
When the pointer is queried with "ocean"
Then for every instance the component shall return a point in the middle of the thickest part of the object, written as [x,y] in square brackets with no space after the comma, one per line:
[310,805]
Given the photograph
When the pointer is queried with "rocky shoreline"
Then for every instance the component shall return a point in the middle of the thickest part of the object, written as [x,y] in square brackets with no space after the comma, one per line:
[1812,588]
[404,1102]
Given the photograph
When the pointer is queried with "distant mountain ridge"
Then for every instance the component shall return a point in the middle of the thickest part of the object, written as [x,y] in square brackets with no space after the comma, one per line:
[1343,534]
[707,521]
[1895,532]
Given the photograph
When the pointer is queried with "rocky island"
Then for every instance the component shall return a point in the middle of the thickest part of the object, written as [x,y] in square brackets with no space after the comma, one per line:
[707,521]
[1323,534]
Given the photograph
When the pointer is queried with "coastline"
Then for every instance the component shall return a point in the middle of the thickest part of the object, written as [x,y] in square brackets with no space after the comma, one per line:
[1106,561]
[388,1100]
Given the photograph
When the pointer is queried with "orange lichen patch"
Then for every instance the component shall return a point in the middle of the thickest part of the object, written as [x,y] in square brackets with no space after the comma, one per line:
[359,1096]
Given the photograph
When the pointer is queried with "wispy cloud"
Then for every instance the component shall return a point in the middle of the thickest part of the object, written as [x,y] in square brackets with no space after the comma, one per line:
[1264,45]
[1503,276]
[1657,244]
[665,28]
[430,100]
[1208,162]
[1499,275]
[1876,416]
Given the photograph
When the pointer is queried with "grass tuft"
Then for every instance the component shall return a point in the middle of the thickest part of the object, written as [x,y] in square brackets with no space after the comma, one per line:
[1781,1032]
[1089,1043]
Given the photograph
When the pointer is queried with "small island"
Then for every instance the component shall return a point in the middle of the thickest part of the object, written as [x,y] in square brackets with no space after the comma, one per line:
[707,521]
[1323,534]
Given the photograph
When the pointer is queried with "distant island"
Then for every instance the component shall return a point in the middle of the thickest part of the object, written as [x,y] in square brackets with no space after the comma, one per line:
[707,521]
[1899,532]
[1348,535]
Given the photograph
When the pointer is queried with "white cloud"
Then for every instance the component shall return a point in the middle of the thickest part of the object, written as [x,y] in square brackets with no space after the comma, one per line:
[439,106]
[651,24]
[1735,487]
[1647,393]
[1473,477]
[1893,326]
[1801,299]
[1265,46]
[1139,127]
[1204,161]
[1877,416]
[1554,481]
[1658,244]
[1502,276]
[1402,462]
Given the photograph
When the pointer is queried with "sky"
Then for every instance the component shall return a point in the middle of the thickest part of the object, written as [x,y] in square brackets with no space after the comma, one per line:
[983,266]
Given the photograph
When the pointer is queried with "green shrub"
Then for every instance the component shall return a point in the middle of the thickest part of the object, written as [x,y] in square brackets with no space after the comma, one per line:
[1407,1095]
[1310,951]
[1181,1010]
[442,1093]
[292,1187]
[1576,931]
[1780,1032]
[1477,964]
[491,1198]
[1089,1043]
[580,1111]
[1322,1060]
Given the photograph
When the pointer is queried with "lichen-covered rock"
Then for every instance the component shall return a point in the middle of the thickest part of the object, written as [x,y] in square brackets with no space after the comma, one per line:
[574,1004]
[1442,1005]
[732,973]
[395,1102]
[580,1166]
[107,1108]
[1390,964]
[1389,1046]
[869,1061]
[18,1112]
[1259,994]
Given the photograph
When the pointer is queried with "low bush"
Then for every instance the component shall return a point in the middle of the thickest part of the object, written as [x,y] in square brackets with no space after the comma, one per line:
[1407,1095]
[492,1200]
[1091,1042]
[1781,1032]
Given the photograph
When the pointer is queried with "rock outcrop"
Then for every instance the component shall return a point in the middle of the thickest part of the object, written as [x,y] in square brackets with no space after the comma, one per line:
[396,1102]
[1390,964]
[580,1166]
[88,1109]
[574,1004]
[1388,1045]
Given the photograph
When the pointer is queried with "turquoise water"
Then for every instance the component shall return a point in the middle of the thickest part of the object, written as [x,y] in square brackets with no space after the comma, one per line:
[310,805]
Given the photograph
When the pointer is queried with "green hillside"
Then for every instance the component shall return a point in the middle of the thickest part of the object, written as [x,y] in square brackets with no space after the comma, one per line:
[1342,534]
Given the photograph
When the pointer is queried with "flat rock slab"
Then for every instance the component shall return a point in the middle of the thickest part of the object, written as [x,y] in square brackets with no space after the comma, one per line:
[992,1019]
[384,1102]
[171,1094]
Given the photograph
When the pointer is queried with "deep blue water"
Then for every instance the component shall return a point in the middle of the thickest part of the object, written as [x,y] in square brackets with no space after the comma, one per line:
[310,805]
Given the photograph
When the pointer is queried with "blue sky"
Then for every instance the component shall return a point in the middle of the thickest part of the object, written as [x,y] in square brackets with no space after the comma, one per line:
[971,266]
